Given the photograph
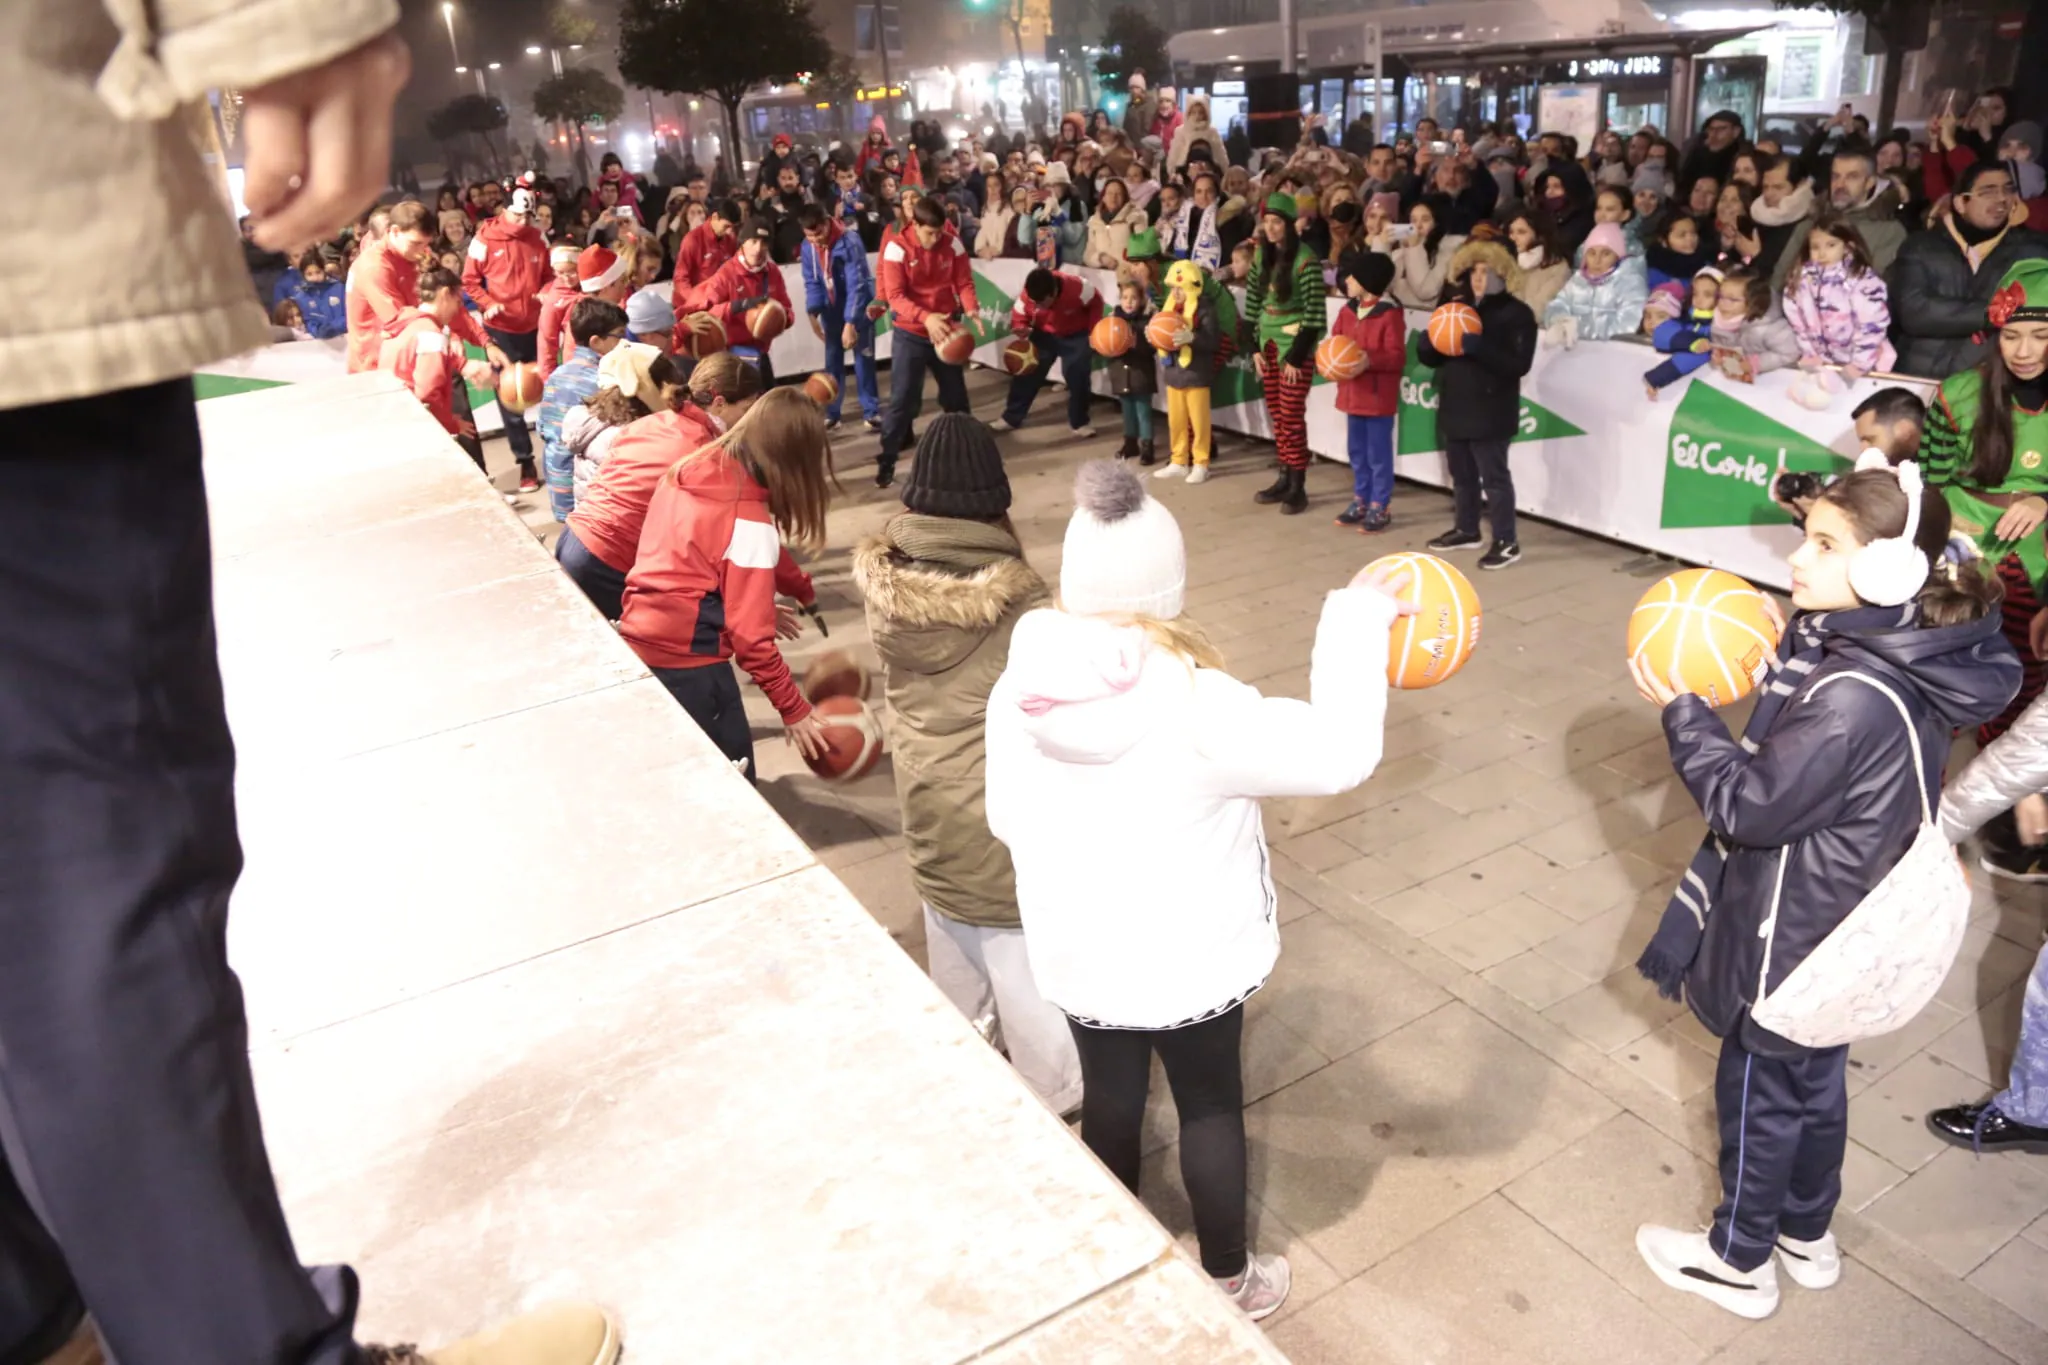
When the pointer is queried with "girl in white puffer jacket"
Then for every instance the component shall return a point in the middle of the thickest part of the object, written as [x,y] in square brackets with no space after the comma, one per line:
[1112,704]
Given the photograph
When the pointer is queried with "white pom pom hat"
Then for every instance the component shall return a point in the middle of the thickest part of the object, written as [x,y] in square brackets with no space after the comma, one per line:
[1123,553]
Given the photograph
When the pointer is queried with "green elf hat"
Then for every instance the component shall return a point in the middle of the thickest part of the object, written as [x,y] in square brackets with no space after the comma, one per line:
[2022,295]
[1281,206]
[1144,246]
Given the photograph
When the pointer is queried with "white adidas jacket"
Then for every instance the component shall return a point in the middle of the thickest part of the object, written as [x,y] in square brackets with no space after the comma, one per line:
[1126,785]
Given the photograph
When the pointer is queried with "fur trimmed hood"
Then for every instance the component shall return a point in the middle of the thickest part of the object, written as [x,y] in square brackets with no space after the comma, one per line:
[936,586]
[1498,259]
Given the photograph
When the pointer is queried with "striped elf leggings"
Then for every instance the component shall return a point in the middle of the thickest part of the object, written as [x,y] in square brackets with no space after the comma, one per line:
[1287,404]
[2017,613]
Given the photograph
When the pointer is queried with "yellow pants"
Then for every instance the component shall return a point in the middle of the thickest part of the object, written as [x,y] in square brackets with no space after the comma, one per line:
[1187,416]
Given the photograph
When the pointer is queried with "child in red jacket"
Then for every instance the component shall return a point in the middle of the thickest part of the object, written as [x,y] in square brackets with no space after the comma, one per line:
[702,588]
[741,285]
[431,363]
[1370,401]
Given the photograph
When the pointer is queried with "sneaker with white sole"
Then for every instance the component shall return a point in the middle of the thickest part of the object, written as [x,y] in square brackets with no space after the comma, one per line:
[1686,1261]
[1003,426]
[1082,433]
[1261,1287]
[1170,471]
[1812,1265]
[559,1334]
[1199,474]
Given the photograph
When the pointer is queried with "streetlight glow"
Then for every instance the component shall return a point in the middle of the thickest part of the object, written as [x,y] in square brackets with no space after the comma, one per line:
[494,66]
[462,71]
[533,50]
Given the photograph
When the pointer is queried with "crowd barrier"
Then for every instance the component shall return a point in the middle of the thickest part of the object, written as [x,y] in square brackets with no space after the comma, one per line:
[1687,474]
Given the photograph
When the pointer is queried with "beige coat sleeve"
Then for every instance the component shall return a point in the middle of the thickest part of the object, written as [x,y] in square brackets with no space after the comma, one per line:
[175,51]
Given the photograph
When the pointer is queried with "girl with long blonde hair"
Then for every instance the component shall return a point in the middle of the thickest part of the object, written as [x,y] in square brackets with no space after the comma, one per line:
[711,562]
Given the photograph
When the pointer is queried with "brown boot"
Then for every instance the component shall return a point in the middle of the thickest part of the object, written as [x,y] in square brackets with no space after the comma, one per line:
[1146,453]
[558,1334]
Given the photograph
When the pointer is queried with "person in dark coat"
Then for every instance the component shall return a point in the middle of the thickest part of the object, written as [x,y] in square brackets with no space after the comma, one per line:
[1713,150]
[1806,814]
[1942,282]
[1562,191]
[1479,398]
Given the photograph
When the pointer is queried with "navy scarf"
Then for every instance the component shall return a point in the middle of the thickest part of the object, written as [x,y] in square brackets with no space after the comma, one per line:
[1676,943]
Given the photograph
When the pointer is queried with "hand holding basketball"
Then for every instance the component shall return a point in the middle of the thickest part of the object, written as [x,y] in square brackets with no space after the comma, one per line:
[808,736]
[1390,578]
[1654,689]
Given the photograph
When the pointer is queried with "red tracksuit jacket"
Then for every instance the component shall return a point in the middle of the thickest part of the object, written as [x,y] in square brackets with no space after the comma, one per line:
[734,282]
[507,266]
[555,302]
[383,296]
[1383,336]
[427,360]
[698,257]
[919,284]
[702,589]
[1077,309]
[608,517]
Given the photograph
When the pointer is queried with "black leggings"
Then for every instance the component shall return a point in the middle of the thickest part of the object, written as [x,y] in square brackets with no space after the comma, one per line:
[1207,1081]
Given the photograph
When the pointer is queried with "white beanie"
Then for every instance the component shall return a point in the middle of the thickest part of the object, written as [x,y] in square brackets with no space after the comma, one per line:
[1123,553]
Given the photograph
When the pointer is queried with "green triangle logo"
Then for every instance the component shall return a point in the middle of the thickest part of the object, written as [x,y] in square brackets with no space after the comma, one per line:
[1721,457]
[1415,433]
[992,321]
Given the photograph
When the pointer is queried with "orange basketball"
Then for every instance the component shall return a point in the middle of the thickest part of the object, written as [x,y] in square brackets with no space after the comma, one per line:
[1111,337]
[1339,358]
[957,347]
[1162,329]
[705,335]
[853,739]
[768,321]
[1020,356]
[519,386]
[1450,324]
[821,388]
[1435,642]
[1705,630]
[836,673]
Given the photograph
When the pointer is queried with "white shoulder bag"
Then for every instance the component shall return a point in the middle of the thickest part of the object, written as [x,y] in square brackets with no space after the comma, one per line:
[1884,962]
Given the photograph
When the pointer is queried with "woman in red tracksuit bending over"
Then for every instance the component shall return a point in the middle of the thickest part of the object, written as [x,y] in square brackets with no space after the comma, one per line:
[711,562]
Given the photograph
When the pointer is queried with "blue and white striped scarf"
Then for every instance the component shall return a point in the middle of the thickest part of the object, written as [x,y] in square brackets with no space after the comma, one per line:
[1676,943]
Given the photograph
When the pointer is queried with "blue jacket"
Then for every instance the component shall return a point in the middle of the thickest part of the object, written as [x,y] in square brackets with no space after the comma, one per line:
[846,266]
[324,307]
[1830,792]
[574,380]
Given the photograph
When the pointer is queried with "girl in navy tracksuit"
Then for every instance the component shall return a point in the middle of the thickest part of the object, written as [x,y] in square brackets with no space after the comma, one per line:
[1806,814]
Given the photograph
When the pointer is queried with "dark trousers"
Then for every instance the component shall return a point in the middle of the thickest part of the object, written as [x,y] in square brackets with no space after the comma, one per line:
[1077,362]
[711,695]
[1207,1080]
[458,403]
[1477,465]
[1784,1131]
[910,356]
[517,346]
[832,320]
[135,1180]
[601,583]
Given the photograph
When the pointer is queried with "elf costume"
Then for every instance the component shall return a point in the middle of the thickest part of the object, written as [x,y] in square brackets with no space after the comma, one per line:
[1286,331]
[1946,450]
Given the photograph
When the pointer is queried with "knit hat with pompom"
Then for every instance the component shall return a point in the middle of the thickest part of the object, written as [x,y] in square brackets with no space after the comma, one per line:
[1123,553]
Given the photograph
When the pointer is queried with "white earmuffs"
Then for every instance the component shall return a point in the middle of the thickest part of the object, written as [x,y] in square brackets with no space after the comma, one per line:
[1890,572]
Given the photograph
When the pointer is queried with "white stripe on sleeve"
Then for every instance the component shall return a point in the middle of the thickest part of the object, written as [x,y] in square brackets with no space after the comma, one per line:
[755,545]
[893,252]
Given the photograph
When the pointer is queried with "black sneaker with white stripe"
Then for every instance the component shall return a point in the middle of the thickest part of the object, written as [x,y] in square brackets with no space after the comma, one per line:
[1500,554]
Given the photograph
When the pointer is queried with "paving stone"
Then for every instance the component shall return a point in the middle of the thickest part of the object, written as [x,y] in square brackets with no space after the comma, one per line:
[1960,1208]
[1863,1318]
[1535,980]
[1866,1176]
[1890,1117]
[2017,1276]
[1608,942]
[1339,992]
[1605,882]
[1538,1304]
[1499,933]
[1874,1058]
[1614,1012]
[1986,965]
[1669,1062]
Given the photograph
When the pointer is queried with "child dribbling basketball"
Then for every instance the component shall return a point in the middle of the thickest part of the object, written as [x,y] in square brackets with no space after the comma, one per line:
[1806,814]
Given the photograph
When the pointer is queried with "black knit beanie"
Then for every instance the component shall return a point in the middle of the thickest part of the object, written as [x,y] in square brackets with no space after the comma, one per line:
[1373,271]
[958,471]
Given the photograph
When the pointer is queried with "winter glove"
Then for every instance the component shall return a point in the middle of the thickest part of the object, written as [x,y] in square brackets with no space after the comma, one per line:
[1301,350]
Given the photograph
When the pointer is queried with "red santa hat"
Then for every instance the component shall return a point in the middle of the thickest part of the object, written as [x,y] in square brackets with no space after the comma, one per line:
[598,267]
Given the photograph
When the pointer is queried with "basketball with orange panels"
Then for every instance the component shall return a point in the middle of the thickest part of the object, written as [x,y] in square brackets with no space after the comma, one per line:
[1707,632]
[1435,642]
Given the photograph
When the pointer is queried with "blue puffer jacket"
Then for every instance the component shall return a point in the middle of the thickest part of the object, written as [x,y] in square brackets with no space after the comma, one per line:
[853,284]
[324,308]
[1831,790]
[1611,308]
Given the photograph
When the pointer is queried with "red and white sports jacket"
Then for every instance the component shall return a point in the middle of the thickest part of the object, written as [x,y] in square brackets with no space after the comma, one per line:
[1077,309]
[427,360]
[703,587]
[733,283]
[918,283]
[506,267]
[382,297]
[555,302]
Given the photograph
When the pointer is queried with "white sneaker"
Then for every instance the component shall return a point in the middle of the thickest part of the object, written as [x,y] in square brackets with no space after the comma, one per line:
[1812,1265]
[1170,471]
[1002,426]
[1686,1262]
[1262,1286]
[1199,474]
[1083,433]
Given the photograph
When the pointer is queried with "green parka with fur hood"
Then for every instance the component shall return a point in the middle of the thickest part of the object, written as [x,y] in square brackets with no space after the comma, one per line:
[943,595]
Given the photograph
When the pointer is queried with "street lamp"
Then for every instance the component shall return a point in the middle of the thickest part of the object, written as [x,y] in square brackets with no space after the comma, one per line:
[533,49]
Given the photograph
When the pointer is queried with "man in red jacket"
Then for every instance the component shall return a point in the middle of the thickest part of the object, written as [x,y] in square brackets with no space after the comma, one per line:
[507,265]
[928,284]
[1054,313]
[741,285]
[384,288]
[704,249]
